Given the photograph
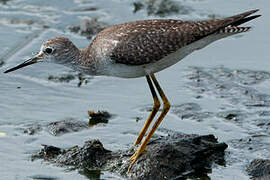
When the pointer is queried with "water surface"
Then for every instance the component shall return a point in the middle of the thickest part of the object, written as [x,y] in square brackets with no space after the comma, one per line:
[25,24]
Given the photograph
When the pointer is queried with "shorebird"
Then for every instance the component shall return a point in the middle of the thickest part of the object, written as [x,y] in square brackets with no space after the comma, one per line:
[137,49]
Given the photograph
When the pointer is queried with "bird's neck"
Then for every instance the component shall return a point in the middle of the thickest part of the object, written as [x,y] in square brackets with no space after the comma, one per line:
[87,62]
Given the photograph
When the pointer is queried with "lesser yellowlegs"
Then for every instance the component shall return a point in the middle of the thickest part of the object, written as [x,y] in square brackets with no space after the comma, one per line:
[137,49]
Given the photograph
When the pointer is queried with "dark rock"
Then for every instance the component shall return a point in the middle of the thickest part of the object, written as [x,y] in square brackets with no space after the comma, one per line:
[91,155]
[259,169]
[172,157]
[161,8]
[98,117]
[66,126]
[47,153]
[32,129]
[88,28]
[177,156]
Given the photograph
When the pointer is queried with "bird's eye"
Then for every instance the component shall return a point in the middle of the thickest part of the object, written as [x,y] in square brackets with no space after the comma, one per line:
[48,50]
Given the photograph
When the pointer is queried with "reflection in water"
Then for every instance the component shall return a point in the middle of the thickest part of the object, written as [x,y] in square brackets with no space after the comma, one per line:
[91,174]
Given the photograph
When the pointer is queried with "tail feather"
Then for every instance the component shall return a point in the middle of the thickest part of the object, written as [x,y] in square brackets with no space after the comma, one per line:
[242,21]
[233,30]
[240,18]
[231,24]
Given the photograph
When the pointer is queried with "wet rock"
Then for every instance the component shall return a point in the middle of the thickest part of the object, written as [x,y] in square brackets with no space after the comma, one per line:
[47,153]
[234,115]
[190,111]
[173,156]
[66,126]
[32,129]
[161,8]
[177,156]
[259,169]
[98,117]
[91,155]
[88,28]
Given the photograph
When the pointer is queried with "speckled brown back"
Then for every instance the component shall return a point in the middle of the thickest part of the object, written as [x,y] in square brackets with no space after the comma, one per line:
[143,42]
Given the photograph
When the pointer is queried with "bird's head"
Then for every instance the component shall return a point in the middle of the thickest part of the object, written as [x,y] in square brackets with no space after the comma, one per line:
[58,50]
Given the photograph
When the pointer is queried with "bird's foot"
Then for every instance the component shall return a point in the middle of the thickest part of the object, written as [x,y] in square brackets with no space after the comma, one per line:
[136,156]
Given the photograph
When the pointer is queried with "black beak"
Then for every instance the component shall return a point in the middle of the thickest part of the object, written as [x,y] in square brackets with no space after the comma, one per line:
[25,63]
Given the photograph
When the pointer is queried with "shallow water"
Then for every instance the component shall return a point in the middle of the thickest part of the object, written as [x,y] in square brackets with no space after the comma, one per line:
[25,24]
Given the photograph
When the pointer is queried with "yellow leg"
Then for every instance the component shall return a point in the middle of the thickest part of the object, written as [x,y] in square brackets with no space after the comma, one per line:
[166,107]
[154,111]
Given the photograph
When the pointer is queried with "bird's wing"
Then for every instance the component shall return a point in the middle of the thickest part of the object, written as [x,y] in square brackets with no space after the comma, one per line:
[151,40]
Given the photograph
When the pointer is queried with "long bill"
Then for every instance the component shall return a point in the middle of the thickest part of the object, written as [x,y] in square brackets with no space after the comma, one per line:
[25,63]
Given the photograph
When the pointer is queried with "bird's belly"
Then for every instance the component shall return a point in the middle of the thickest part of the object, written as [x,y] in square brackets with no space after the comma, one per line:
[124,71]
